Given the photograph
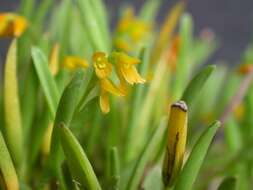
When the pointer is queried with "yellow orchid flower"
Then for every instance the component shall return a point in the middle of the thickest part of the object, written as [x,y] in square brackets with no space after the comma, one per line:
[12,25]
[125,67]
[103,69]
[72,63]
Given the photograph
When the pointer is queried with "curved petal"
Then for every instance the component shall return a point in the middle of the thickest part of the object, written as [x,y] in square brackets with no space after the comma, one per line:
[131,75]
[108,86]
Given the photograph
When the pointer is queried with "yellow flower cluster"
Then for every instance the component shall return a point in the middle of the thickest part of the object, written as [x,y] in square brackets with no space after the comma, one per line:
[12,25]
[103,65]
[130,31]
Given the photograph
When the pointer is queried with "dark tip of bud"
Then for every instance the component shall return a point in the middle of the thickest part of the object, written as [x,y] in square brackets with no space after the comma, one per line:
[181,105]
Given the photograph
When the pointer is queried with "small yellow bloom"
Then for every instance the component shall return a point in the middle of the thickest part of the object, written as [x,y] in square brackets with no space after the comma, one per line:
[12,25]
[103,67]
[72,63]
[125,67]
[177,133]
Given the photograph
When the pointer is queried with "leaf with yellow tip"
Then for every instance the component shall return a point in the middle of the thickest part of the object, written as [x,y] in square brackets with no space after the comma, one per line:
[167,30]
[13,125]
[177,132]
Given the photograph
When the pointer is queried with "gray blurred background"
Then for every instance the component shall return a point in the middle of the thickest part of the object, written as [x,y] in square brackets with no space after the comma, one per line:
[231,20]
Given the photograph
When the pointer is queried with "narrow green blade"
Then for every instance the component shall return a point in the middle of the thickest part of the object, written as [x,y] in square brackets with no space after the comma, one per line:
[77,160]
[47,81]
[196,84]
[192,166]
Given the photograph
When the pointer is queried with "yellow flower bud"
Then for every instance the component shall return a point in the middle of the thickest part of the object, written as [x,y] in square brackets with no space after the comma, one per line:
[177,133]
[12,25]
[72,63]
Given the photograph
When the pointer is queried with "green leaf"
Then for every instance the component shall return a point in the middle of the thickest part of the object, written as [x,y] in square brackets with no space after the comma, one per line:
[67,106]
[7,168]
[114,169]
[195,86]
[91,24]
[185,61]
[232,134]
[41,12]
[13,123]
[47,81]
[228,183]
[146,154]
[192,166]
[149,10]
[77,160]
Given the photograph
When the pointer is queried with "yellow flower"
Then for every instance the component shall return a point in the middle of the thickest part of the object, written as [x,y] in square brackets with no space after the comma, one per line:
[72,63]
[12,25]
[177,133]
[125,67]
[103,69]
[130,31]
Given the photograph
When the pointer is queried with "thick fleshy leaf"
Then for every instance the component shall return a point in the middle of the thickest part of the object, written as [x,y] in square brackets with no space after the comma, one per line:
[196,84]
[13,125]
[80,167]
[192,166]
[65,111]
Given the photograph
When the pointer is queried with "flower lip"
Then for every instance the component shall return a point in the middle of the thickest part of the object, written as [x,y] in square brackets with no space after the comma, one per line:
[181,105]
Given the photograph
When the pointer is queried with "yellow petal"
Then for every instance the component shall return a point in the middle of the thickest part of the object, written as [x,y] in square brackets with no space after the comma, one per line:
[104,102]
[131,75]
[72,63]
[108,86]
[101,64]
[12,25]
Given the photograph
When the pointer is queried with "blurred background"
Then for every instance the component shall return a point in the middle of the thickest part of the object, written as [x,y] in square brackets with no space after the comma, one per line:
[231,20]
